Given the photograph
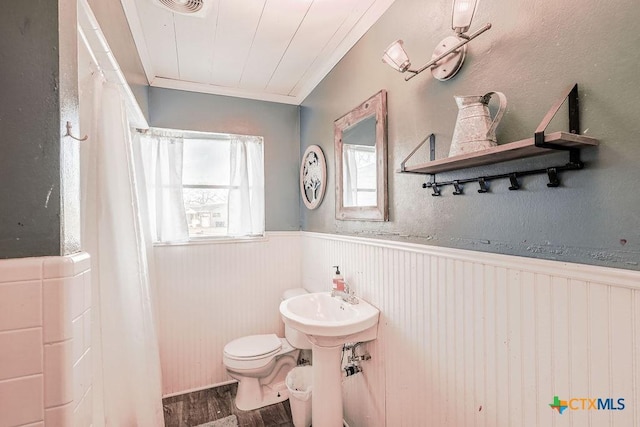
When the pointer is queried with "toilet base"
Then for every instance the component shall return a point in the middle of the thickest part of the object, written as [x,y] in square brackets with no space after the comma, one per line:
[251,395]
[261,381]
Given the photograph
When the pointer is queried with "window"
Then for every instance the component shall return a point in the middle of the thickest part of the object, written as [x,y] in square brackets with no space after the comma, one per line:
[206,182]
[203,185]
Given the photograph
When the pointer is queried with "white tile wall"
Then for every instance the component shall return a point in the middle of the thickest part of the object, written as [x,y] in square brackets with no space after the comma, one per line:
[57,293]
[20,305]
[25,357]
[59,416]
[44,322]
[21,401]
[58,365]
[21,269]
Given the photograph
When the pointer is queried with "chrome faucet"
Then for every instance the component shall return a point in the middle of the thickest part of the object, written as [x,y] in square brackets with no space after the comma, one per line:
[349,296]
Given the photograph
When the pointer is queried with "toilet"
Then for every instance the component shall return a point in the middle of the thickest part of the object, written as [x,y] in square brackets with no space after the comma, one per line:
[261,363]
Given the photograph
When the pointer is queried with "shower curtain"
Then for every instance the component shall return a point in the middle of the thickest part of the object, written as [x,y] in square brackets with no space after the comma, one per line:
[160,166]
[125,354]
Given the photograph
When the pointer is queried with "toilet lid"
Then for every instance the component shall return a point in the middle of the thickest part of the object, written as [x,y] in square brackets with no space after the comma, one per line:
[253,346]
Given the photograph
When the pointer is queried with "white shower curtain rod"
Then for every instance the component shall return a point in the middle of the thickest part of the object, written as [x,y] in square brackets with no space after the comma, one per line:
[93,37]
[191,134]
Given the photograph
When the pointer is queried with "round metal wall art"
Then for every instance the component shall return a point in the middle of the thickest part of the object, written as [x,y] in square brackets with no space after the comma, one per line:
[313,177]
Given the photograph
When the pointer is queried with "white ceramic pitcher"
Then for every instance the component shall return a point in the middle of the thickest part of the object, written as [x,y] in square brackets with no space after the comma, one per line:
[475,130]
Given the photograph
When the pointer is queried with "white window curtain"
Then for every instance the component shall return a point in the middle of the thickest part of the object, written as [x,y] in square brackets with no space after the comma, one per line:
[162,161]
[124,346]
[246,197]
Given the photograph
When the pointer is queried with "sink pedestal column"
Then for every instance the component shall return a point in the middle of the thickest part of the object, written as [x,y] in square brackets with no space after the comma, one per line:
[329,322]
[326,395]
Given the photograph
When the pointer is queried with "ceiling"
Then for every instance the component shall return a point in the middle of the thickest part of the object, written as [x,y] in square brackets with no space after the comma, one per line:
[274,50]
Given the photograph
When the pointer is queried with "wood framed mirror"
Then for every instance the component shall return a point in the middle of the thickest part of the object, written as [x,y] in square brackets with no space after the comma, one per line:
[360,142]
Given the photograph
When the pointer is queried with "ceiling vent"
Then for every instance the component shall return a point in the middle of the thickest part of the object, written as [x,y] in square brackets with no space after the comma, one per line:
[185,7]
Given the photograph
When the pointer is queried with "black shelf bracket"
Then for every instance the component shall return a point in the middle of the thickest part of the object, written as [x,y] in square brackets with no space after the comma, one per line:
[432,151]
[571,94]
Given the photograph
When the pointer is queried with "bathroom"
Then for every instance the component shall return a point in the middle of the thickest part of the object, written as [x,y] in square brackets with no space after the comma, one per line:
[491,304]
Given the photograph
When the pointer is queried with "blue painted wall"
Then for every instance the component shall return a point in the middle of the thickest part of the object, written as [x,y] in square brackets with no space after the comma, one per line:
[277,123]
[29,125]
[533,52]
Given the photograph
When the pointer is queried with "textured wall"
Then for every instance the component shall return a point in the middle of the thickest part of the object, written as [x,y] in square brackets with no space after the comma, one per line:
[69,112]
[39,195]
[277,123]
[30,161]
[533,52]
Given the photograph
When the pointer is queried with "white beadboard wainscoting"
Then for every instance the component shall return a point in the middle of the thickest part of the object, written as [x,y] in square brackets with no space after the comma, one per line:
[476,339]
[465,338]
[212,293]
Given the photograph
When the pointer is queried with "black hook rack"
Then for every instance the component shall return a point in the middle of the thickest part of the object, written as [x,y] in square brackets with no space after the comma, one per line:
[575,163]
[515,185]
[458,188]
[483,181]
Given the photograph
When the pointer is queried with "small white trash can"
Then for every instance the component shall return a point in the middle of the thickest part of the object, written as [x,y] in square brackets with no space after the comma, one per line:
[299,383]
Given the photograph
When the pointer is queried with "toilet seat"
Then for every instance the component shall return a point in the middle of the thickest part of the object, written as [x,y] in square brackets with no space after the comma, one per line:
[253,347]
[253,351]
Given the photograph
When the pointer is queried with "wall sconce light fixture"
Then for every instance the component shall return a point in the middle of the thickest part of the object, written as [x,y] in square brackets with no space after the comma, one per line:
[449,55]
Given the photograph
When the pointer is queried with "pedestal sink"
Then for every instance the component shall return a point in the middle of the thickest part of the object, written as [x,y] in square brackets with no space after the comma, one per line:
[329,322]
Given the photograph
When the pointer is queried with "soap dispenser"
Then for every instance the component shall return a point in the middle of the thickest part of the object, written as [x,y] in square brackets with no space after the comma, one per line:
[338,281]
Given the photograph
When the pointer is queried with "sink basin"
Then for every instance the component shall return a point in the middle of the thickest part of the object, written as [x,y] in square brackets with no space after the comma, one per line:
[330,321]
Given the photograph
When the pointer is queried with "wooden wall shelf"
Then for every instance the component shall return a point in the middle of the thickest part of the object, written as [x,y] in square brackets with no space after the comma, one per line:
[502,153]
[540,144]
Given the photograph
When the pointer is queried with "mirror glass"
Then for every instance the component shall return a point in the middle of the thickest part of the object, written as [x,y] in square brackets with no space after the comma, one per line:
[361,161]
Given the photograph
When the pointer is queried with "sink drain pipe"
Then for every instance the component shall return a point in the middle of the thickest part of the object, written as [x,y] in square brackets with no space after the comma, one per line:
[353,367]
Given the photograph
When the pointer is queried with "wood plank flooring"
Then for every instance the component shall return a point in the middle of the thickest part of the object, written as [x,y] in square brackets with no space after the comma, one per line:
[192,409]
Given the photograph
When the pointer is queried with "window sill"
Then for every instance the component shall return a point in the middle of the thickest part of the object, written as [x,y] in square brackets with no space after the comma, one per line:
[214,241]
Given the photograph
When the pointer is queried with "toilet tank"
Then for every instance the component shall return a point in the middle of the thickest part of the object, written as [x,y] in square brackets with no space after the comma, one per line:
[295,337]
